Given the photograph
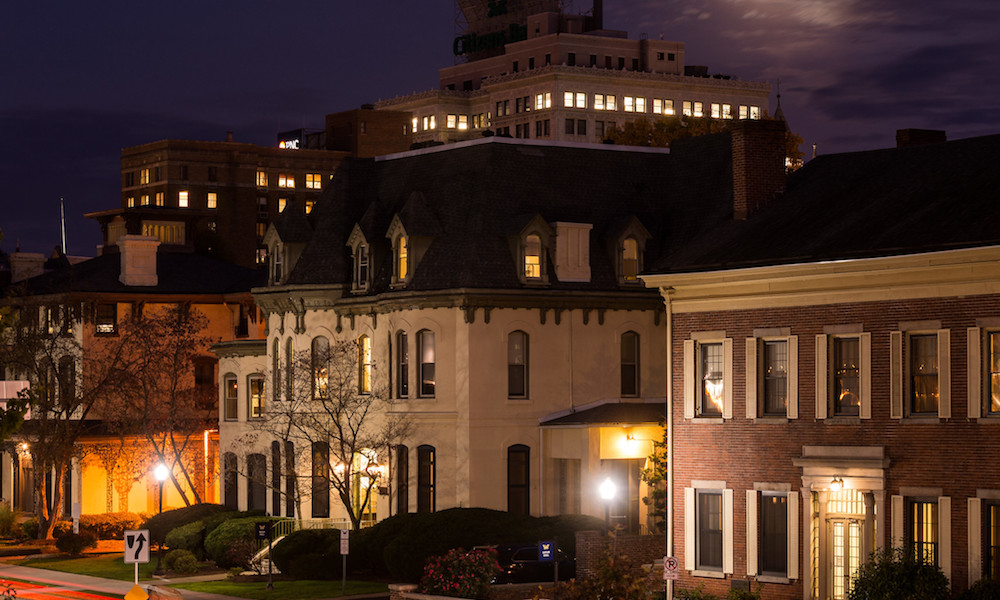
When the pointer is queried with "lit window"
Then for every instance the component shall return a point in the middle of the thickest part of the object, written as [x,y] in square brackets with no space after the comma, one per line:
[282,202]
[992,400]
[402,365]
[182,199]
[415,123]
[727,111]
[924,384]
[533,257]
[845,376]
[130,203]
[143,176]
[610,103]
[744,111]
[543,100]
[698,110]
[629,104]
[364,365]
[568,99]
[686,109]
[923,521]
[517,365]
[657,106]
[106,322]
[158,198]
[255,409]
[581,100]
[320,367]
[920,383]
[716,111]
[668,107]
[309,206]
[598,101]
[314,181]
[451,121]
[402,258]
[990,534]
[630,364]
[213,200]
[463,122]
[425,347]
[630,259]
[232,397]
[144,199]
[774,378]
[755,112]
[286,181]
[640,105]
[261,178]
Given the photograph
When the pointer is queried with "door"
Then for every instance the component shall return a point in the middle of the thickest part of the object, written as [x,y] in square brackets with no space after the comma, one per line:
[845,554]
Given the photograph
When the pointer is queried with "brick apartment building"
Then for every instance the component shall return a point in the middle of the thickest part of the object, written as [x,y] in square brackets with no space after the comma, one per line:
[834,386]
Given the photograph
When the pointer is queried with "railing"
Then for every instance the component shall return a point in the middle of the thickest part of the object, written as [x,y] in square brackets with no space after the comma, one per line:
[283,527]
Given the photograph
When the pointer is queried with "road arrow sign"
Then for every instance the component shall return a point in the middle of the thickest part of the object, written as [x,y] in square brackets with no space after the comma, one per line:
[137,546]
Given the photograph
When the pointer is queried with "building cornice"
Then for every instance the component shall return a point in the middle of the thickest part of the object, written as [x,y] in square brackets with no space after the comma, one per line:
[965,272]
[240,348]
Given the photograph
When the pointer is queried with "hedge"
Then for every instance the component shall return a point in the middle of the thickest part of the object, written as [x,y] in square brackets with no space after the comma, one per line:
[160,525]
[220,539]
[306,554]
[190,537]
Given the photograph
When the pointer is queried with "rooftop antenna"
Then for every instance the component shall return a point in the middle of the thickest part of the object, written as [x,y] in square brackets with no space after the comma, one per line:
[778,113]
[62,220]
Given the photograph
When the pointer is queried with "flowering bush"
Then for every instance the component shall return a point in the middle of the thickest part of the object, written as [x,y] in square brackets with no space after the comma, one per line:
[460,574]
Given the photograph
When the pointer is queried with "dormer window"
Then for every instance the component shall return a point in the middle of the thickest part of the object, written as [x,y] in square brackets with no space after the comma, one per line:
[533,257]
[277,264]
[402,261]
[361,267]
[630,260]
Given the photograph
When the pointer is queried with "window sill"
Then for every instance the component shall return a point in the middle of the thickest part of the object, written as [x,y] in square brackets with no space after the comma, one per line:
[712,420]
[712,574]
[991,420]
[921,420]
[842,420]
[771,420]
[773,579]
[518,400]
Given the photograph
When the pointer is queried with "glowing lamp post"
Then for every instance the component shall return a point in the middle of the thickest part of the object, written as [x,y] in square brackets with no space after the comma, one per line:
[161,472]
[607,491]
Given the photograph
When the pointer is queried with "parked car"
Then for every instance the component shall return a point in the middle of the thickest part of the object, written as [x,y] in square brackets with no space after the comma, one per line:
[519,563]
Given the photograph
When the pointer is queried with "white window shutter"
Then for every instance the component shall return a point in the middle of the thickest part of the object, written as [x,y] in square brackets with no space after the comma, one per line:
[727,385]
[727,531]
[752,525]
[866,376]
[689,393]
[944,373]
[793,535]
[975,540]
[690,526]
[896,375]
[822,387]
[975,370]
[751,384]
[897,522]
[944,535]
[793,377]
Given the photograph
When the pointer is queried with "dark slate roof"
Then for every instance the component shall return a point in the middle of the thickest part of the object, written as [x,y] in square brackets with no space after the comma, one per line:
[612,413]
[177,273]
[292,224]
[472,191]
[862,204]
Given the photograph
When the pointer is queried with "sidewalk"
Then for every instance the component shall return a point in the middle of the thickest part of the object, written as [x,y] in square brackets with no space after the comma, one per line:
[71,581]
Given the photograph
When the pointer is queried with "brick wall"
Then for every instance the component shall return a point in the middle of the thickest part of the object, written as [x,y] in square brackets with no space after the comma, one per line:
[641,549]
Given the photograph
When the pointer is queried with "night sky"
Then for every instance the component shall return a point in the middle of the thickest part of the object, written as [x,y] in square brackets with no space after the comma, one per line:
[81,81]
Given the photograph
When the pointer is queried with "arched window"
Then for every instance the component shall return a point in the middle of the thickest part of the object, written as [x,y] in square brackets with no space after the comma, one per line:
[255,397]
[275,478]
[232,397]
[320,367]
[320,480]
[402,365]
[402,479]
[275,370]
[630,259]
[289,479]
[229,490]
[425,343]
[289,369]
[364,365]
[518,480]
[517,365]
[256,482]
[402,258]
[532,257]
[426,501]
[630,363]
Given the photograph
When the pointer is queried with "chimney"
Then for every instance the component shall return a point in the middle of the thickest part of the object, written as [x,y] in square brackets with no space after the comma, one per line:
[919,137]
[572,251]
[229,135]
[758,150]
[138,260]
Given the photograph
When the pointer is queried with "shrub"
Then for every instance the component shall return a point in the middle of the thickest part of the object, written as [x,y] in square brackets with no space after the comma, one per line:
[984,589]
[75,543]
[160,525]
[220,539]
[30,528]
[190,537]
[111,526]
[305,554]
[460,574]
[8,521]
[894,574]
[241,552]
[214,520]
[181,561]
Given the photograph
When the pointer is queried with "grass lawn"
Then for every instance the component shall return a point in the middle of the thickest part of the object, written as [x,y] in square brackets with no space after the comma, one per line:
[109,566]
[284,590]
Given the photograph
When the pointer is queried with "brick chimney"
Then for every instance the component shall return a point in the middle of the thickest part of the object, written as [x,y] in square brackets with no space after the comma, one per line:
[138,260]
[758,149]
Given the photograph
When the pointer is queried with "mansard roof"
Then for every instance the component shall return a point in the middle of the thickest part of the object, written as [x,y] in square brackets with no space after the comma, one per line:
[465,197]
[178,273]
[862,205]
[292,225]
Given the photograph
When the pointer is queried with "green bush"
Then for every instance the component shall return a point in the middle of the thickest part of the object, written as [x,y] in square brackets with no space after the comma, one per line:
[8,521]
[213,521]
[460,574]
[984,589]
[190,537]
[220,539]
[181,561]
[30,528]
[894,574]
[75,543]
[111,526]
[306,554]
[160,525]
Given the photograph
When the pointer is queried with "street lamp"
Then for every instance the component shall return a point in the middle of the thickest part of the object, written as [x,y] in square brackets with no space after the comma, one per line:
[607,491]
[161,472]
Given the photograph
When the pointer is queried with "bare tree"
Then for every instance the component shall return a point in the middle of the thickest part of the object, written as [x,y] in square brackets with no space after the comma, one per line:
[338,417]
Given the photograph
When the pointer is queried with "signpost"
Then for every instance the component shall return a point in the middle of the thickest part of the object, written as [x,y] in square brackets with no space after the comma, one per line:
[263,532]
[345,545]
[136,551]
[670,568]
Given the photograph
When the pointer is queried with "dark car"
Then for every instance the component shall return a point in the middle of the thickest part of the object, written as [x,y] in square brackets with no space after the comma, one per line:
[519,563]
